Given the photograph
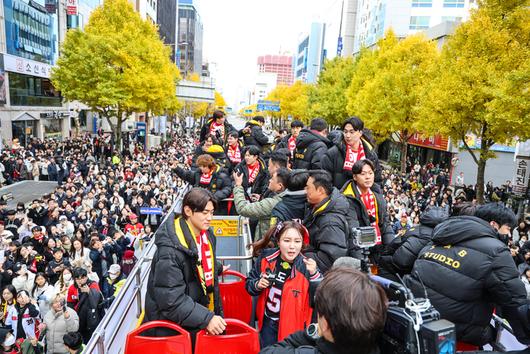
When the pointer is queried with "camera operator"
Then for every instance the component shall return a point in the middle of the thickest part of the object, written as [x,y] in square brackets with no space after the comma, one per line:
[351,312]
[467,271]
[369,205]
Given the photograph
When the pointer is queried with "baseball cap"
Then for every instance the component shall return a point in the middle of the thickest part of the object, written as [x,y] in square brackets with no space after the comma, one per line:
[114,269]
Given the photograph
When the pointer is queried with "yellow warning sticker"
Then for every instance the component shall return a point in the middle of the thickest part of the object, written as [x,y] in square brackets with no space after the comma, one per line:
[225,228]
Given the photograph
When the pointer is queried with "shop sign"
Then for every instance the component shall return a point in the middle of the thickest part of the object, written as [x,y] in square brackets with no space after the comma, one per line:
[475,143]
[55,115]
[20,65]
[436,142]
[522,168]
[71,7]
[51,6]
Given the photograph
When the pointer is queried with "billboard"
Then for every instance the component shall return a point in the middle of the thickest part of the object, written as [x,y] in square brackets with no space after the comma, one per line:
[2,82]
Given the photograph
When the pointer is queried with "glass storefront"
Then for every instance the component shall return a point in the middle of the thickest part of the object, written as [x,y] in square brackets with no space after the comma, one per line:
[52,128]
[26,90]
[24,131]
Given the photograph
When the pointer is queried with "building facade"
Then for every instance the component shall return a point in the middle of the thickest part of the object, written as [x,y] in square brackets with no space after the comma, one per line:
[190,32]
[375,17]
[167,17]
[282,65]
[310,54]
[263,85]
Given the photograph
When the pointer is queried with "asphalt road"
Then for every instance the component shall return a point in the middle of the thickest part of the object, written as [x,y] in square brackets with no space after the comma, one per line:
[26,191]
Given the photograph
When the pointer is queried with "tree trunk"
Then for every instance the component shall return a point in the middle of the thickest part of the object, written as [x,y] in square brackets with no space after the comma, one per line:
[480,179]
[404,149]
[119,122]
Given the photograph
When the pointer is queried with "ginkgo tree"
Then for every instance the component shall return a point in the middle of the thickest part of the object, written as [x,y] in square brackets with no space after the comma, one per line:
[117,65]
[328,98]
[384,89]
[482,81]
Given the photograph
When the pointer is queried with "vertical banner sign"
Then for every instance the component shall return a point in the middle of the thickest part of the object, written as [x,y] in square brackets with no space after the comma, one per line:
[71,7]
[522,168]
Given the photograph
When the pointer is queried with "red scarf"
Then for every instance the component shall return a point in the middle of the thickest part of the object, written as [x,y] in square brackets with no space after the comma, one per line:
[206,259]
[214,128]
[368,199]
[291,143]
[253,172]
[234,154]
[206,178]
[353,156]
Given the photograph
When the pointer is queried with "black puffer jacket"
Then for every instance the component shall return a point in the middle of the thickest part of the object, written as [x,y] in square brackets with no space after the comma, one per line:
[466,271]
[329,229]
[259,186]
[205,130]
[256,136]
[310,147]
[333,162]
[220,184]
[291,207]
[404,250]
[301,343]
[363,219]
[174,291]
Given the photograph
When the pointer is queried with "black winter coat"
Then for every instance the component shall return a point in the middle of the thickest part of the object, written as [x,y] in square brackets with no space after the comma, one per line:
[310,147]
[205,130]
[220,184]
[291,207]
[403,251]
[174,290]
[329,230]
[260,182]
[360,212]
[467,271]
[256,136]
[333,162]
[300,343]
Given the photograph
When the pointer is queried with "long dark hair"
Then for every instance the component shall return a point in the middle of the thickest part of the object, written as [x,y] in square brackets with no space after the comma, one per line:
[273,235]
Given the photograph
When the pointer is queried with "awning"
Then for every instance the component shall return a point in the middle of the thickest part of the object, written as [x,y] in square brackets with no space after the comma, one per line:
[24,116]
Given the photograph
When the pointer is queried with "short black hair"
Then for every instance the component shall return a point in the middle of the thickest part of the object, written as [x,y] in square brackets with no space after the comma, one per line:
[357,167]
[297,180]
[259,119]
[197,199]
[282,175]
[319,124]
[79,272]
[234,134]
[73,340]
[355,122]
[297,124]
[282,130]
[252,150]
[497,212]
[218,114]
[280,156]
[322,179]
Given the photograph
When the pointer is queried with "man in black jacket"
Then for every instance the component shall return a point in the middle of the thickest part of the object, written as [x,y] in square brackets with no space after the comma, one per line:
[363,306]
[218,127]
[293,202]
[339,159]
[366,204]
[183,282]
[311,145]
[326,220]
[467,271]
[402,252]
[253,134]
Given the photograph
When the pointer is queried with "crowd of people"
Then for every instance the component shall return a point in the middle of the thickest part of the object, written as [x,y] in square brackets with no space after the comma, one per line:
[66,255]
[307,193]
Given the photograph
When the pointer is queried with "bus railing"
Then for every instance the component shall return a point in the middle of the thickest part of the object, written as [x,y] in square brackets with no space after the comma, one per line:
[125,313]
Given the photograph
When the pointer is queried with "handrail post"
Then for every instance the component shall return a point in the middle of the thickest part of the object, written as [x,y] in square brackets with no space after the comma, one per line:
[101,342]
[138,286]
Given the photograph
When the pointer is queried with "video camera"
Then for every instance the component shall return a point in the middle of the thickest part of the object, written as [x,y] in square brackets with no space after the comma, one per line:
[413,326]
[361,241]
